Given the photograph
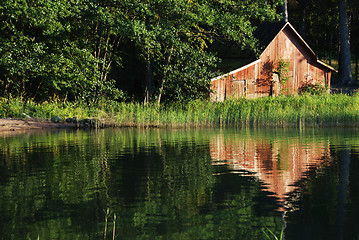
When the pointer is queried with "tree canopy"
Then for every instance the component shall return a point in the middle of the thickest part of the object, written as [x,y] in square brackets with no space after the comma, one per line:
[89,49]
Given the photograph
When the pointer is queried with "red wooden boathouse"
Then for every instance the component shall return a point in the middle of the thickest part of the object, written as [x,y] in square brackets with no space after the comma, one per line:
[259,78]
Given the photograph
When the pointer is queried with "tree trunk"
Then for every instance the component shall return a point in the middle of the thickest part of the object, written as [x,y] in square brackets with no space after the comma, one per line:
[6,86]
[148,80]
[164,77]
[285,11]
[23,87]
[356,67]
[345,74]
[302,5]
[330,50]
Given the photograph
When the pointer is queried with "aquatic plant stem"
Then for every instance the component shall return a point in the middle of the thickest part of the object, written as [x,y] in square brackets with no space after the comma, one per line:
[106,217]
[114,227]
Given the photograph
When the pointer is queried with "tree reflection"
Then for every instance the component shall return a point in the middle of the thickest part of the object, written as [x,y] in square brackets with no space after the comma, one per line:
[344,164]
[171,184]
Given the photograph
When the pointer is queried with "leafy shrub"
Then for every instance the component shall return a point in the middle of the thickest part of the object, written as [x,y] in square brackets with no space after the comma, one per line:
[282,68]
[313,89]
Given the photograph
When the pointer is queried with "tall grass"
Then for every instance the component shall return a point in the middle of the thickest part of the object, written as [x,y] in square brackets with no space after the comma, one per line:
[304,110]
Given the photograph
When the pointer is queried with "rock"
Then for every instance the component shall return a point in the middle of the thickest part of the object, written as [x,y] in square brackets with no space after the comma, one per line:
[55,119]
[71,120]
[91,123]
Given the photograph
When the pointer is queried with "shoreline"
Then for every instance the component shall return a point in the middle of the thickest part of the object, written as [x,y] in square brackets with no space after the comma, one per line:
[14,125]
[10,127]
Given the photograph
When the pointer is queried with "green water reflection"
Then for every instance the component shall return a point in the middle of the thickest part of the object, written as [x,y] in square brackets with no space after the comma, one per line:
[179,184]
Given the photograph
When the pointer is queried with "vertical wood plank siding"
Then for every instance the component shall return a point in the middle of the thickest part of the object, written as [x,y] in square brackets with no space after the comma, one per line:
[255,79]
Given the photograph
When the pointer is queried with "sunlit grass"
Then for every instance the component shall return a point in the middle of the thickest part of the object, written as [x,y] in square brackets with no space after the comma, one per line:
[304,110]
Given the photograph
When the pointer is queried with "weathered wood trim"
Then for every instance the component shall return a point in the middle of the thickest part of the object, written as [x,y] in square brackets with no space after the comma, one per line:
[326,65]
[237,70]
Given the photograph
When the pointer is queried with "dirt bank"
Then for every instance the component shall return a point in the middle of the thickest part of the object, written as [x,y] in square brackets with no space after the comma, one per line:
[13,125]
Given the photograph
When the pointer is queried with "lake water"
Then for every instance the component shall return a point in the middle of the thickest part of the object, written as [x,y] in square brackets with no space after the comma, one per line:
[180,184]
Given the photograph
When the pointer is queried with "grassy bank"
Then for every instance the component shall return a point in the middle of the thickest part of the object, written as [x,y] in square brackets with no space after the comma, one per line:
[305,110]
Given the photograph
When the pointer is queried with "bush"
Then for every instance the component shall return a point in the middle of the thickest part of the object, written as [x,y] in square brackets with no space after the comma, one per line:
[313,89]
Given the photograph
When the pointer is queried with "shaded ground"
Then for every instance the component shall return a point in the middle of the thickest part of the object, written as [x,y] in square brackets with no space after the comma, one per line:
[15,125]
[344,90]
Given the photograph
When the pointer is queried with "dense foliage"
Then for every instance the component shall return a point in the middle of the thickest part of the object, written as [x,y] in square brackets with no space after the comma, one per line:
[161,50]
[87,48]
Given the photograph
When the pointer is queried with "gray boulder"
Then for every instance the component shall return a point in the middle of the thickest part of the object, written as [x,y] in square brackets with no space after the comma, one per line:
[55,119]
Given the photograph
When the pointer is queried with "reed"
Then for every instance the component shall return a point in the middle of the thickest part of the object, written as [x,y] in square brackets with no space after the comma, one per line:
[270,235]
[303,110]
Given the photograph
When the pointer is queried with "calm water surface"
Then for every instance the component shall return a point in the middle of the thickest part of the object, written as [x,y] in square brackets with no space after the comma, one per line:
[180,184]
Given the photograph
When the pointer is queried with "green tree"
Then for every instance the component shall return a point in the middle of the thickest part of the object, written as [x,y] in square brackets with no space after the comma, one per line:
[55,47]
[73,49]
[172,39]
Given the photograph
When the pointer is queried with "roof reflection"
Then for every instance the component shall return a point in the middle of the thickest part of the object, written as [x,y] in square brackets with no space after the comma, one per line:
[280,165]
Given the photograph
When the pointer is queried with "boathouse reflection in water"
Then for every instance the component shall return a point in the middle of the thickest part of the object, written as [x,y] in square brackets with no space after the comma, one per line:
[279,165]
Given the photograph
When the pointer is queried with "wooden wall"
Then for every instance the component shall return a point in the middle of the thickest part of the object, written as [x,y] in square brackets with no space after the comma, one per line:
[255,79]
